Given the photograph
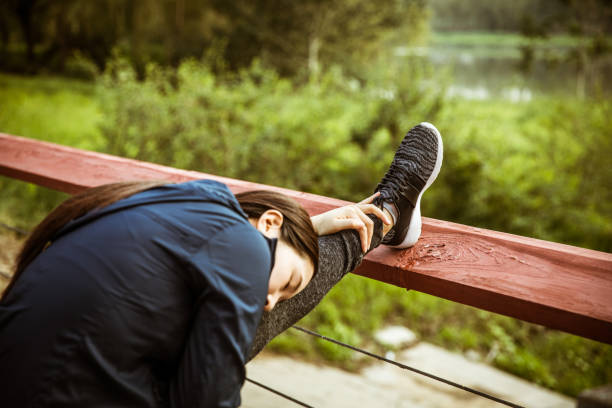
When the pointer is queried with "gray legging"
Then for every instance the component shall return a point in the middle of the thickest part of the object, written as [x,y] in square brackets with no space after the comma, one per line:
[339,254]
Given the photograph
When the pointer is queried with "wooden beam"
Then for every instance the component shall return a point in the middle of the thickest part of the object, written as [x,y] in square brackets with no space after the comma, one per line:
[559,286]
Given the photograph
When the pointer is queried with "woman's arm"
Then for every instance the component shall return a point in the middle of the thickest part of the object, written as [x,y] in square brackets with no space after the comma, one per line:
[340,251]
[355,217]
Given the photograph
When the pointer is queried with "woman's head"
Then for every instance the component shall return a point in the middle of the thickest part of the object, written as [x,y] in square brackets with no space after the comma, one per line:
[297,252]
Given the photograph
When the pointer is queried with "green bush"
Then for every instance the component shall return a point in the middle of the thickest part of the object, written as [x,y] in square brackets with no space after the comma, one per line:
[325,136]
[537,169]
[80,67]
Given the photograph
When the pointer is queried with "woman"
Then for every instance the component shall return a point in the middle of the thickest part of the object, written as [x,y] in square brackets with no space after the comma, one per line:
[151,294]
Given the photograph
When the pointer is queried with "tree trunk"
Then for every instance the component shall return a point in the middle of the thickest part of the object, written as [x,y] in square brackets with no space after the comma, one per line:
[313,57]
[24,11]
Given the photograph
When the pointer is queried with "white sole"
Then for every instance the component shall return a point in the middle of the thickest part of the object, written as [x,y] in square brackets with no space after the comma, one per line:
[414,229]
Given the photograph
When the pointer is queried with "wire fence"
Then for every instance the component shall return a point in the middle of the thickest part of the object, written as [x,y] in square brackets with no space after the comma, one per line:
[265,387]
[386,360]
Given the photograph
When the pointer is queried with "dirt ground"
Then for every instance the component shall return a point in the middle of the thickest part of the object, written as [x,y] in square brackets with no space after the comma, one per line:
[384,385]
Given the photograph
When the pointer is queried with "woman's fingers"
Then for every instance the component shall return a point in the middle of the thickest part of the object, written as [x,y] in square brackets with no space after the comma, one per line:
[372,209]
[369,224]
[369,208]
[366,235]
[353,216]
[370,198]
[361,227]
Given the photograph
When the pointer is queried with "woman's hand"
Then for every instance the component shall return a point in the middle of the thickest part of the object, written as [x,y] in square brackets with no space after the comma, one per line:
[351,217]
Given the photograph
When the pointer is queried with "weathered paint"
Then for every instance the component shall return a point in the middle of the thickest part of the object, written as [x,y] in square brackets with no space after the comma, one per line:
[556,285]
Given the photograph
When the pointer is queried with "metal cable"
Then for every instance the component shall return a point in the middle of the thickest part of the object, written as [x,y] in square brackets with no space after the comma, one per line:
[405,367]
[265,387]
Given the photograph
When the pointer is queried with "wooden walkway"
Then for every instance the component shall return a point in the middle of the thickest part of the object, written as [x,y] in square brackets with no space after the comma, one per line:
[559,286]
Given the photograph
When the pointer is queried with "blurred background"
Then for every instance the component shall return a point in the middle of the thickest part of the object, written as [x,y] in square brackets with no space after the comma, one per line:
[315,96]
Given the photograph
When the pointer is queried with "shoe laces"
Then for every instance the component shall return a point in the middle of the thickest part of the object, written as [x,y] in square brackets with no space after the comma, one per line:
[394,182]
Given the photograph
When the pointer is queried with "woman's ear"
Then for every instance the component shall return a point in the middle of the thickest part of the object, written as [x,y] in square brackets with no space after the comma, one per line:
[270,223]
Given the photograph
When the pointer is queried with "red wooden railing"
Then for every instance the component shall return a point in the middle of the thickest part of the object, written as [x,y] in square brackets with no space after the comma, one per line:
[559,286]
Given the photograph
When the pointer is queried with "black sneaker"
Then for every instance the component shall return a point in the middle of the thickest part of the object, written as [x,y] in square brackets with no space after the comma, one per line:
[414,168]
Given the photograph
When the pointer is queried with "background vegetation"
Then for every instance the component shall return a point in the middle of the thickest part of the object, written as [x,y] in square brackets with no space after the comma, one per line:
[316,98]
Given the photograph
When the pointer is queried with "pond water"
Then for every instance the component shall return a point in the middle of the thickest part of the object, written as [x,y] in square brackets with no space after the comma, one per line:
[487,72]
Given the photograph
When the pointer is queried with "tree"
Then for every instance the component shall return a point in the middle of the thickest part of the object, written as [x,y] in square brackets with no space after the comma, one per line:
[588,21]
[295,36]
[287,35]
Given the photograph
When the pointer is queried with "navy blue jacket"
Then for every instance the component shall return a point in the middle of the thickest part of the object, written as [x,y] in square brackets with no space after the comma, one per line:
[151,301]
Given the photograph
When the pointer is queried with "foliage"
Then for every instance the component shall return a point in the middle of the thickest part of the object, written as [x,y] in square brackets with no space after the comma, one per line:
[334,134]
[573,34]
[554,16]
[589,20]
[538,169]
[475,15]
[51,109]
[358,306]
[291,36]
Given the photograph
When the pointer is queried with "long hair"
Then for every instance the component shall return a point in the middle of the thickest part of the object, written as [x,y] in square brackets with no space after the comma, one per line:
[297,229]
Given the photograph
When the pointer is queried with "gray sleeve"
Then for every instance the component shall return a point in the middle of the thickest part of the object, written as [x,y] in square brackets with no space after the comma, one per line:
[339,254]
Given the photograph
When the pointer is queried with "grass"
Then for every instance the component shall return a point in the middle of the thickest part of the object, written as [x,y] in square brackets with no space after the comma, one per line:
[68,112]
[50,108]
[358,306]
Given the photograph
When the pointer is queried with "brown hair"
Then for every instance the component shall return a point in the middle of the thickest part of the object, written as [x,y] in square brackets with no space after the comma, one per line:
[297,229]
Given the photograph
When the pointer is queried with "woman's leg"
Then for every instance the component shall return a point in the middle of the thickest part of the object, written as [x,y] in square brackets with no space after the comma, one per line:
[339,254]
[415,166]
